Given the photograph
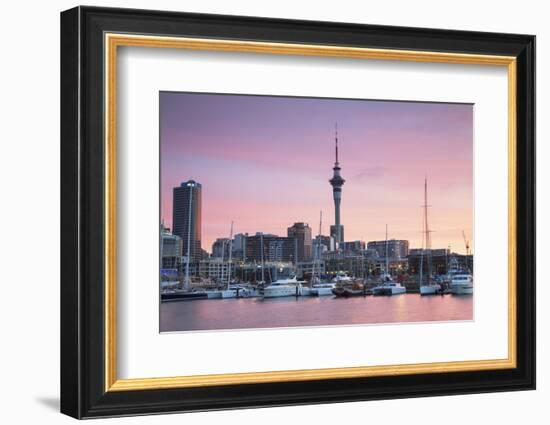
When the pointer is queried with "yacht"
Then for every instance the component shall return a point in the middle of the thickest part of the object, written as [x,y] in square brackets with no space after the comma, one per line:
[342,278]
[462,284]
[182,295]
[283,288]
[388,287]
[341,281]
[430,289]
[320,289]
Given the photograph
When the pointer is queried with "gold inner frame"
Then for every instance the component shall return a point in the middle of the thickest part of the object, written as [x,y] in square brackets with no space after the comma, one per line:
[113,41]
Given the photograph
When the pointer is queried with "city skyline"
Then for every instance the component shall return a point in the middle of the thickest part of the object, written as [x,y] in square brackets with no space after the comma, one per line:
[265,163]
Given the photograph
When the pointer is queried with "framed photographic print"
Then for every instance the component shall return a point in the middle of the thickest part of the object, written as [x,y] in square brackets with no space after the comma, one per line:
[261,212]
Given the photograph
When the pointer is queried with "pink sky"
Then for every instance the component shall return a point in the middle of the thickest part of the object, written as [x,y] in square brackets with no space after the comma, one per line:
[264,162]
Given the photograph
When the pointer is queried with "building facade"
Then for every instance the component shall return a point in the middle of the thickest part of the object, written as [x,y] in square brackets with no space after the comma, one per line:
[171,251]
[396,248]
[438,261]
[217,270]
[301,232]
[275,248]
[239,245]
[220,248]
[355,265]
[186,218]
[353,246]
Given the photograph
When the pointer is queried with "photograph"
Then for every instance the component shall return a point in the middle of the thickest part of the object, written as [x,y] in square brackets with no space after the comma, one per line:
[284,211]
[289,210]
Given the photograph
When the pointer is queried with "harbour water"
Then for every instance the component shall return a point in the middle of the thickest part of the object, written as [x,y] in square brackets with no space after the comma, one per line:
[252,313]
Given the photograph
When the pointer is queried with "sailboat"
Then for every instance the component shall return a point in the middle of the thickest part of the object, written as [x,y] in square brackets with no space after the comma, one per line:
[319,288]
[388,286]
[430,288]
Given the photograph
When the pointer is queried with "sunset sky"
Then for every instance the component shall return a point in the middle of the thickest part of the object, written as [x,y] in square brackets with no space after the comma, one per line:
[264,162]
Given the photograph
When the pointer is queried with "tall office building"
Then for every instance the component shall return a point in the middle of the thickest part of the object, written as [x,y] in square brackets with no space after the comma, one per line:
[186,218]
[301,232]
[337,230]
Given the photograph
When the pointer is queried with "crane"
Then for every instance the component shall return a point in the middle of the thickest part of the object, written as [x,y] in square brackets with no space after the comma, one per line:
[466,243]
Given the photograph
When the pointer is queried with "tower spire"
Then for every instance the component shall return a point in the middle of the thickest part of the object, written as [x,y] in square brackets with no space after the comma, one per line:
[337,231]
[336,140]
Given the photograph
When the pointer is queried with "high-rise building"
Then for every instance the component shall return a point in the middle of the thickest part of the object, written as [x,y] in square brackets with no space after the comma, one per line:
[337,230]
[301,232]
[186,218]
[396,248]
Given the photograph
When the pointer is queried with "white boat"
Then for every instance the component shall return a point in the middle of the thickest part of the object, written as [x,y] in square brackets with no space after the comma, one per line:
[462,284]
[389,287]
[431,289]
[320,289]
[342,278]
[283,288]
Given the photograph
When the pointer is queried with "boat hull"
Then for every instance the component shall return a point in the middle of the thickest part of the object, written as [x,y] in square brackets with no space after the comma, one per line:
[321,292]
[338,291]
[350,292]
[462,289]
[388,291]
[184,296]
[281,291]
[430,289]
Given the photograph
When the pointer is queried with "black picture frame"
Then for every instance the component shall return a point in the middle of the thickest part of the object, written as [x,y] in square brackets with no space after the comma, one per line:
[83,392]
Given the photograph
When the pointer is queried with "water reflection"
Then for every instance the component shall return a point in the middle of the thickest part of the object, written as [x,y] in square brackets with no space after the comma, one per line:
[247,313]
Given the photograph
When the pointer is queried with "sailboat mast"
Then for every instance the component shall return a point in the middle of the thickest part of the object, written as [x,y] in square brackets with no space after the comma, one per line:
[427,229]
[223,257]
[230,255]
[262,255]
[387,273]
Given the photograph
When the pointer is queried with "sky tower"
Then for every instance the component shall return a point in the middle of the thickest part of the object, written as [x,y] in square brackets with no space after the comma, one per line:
[337,230]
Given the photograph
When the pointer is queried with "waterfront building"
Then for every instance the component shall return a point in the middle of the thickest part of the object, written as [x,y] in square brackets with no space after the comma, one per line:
[239,246]
[305,270]
[275,248]
[396,248]
[220,248]
[252,272]
[204,254]
[301,233]
[396,266]
[353,264]
[217,270]
[322,244]
[353,246]
[440,260]
[171,251]
[186,217]
[337,230]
